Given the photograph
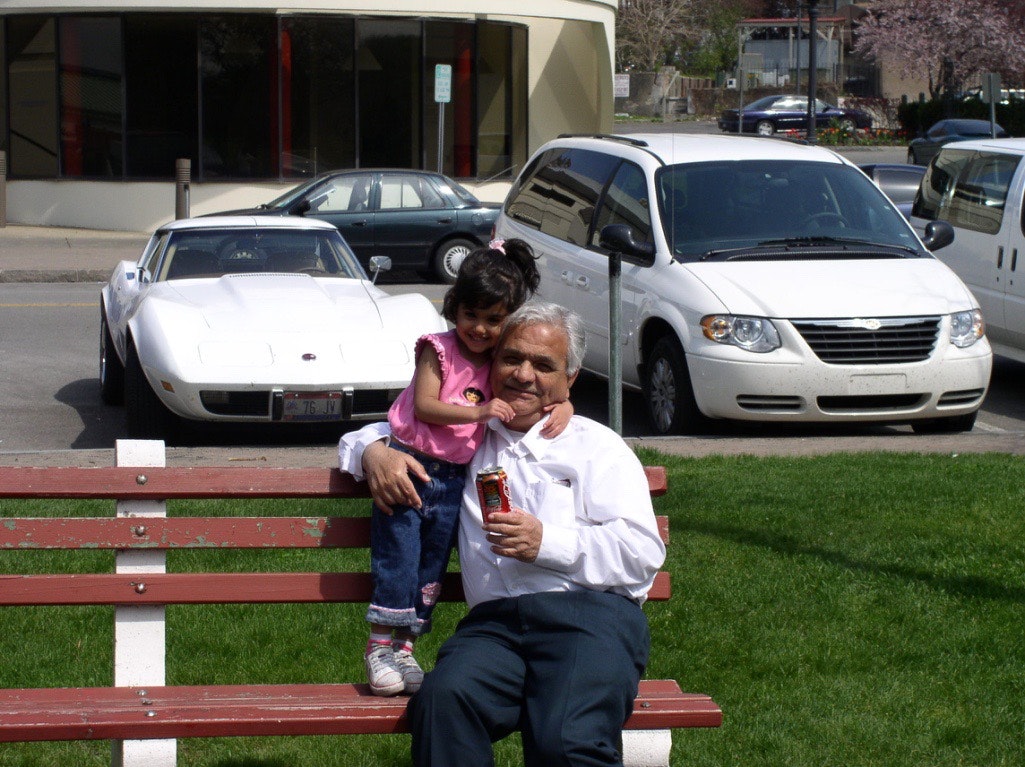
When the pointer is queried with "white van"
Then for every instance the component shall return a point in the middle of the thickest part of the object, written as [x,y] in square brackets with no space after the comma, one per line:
[763,280]
[977,187]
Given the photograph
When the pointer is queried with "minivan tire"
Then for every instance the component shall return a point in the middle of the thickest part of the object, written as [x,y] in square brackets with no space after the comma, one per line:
[950,425]
[668,391]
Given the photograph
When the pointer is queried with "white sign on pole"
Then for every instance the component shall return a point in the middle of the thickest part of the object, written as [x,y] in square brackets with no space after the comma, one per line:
[621,86]
[443,83]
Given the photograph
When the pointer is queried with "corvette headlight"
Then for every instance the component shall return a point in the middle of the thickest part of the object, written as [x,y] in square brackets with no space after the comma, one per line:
[754,334]
[966,328]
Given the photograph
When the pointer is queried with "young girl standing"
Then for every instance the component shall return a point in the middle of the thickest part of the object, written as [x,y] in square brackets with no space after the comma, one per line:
[440,419]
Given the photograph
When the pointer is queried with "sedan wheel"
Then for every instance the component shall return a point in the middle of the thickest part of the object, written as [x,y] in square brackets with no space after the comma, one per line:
[668,391]
[112,371]
[448,258]
[847,125]
[911,157]
[146,415]
[765,128]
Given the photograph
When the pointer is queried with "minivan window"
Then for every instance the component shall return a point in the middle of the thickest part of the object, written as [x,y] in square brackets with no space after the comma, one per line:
[560,197]
[625,202]
[715,206]
[967,188]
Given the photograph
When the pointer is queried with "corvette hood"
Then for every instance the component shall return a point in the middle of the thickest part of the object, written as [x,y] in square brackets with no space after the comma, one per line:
[832,288]
[282,303]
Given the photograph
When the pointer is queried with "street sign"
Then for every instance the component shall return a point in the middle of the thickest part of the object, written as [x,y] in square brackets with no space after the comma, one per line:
[443,83]
[621,86]
[991,88]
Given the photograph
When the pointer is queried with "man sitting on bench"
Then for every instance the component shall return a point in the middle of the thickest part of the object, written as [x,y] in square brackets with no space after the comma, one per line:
[555,641]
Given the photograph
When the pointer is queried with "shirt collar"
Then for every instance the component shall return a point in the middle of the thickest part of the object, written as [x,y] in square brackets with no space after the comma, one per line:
[525,442]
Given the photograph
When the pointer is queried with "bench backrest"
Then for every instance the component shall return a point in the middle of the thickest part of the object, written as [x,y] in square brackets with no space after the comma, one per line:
[148,530]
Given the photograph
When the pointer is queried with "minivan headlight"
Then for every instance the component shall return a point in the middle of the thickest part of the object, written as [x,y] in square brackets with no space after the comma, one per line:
[966,328]
[755,334]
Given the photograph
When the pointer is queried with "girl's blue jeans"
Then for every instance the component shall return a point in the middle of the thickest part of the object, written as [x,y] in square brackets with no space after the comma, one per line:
[409,549]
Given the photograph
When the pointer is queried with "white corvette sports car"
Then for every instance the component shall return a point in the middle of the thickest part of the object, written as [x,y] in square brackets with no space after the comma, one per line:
[253,319]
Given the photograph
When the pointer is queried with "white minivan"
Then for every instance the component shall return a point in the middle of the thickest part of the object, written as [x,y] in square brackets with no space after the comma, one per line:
[763,280]
[978,188]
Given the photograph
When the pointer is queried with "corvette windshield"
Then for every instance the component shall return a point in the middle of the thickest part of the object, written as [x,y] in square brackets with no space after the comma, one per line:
[712,208]
[195,253]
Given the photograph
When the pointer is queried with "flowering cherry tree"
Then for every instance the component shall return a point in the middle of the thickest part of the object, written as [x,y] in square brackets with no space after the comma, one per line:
[949,42]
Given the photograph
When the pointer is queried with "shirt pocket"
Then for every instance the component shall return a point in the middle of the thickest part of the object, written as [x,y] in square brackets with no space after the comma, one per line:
[551,501]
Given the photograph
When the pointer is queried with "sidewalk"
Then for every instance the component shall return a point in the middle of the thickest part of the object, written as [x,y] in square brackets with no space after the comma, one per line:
[56,254]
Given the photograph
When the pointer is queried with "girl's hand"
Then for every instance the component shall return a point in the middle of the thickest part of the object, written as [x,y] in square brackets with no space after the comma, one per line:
[495,408]
[558,419]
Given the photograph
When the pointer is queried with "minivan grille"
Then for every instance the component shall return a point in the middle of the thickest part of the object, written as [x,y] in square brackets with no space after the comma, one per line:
[883,341]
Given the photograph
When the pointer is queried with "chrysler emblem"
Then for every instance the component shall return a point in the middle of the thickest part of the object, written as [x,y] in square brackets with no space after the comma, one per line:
[872,324]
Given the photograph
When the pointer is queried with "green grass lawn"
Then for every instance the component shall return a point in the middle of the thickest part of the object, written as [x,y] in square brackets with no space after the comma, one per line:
[843,610]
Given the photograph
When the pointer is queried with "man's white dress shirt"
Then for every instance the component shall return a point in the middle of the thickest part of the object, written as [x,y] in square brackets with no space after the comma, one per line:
[587,488]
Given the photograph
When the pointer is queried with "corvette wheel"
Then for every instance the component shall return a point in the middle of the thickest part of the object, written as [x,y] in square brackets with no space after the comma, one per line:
[112,370]
[146,415]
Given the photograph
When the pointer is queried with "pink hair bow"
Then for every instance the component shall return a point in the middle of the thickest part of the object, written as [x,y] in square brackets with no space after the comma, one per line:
[498,245]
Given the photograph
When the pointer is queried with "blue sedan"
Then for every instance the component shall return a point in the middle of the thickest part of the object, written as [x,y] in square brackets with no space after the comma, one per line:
[771,114]
[421,220]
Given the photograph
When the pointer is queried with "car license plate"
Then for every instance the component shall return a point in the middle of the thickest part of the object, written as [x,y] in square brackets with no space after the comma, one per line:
[312,406]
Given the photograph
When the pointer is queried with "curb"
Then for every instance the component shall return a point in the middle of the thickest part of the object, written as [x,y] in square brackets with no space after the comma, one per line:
[50,275]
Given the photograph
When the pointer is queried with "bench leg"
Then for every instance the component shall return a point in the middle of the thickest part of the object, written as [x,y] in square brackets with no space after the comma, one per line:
[646,748]
[144,753]
[139,631]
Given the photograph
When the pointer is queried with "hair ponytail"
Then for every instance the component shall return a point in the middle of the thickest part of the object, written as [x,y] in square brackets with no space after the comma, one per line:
[503,272]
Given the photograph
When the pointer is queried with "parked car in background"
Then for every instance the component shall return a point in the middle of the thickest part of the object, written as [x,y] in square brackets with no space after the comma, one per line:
[978,187]
[922,150]
[420,220]
[762,281]
[772,114]
[253,320]
[898,182]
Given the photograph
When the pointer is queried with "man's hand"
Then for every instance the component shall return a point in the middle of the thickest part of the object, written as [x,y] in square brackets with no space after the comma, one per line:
[516,534]
[387,472]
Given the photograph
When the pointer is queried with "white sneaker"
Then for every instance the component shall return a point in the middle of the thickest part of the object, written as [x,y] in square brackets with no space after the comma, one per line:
[412,674]
[383,675]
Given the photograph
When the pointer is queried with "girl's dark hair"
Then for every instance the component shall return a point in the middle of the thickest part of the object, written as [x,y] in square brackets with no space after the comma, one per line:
[489,276]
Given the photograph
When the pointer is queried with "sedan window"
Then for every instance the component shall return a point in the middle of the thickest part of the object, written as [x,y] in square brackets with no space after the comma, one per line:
[408,192]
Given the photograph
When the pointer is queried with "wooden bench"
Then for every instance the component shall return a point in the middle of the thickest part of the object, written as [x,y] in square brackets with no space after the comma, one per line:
[140,713]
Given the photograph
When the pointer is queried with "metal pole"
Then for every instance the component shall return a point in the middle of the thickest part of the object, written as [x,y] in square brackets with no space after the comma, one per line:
[615,348]
[813,14]
[3,188]
[441,135]
[182,180]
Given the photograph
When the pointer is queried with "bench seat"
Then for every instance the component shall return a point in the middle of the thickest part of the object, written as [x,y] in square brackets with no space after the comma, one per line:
[98,713]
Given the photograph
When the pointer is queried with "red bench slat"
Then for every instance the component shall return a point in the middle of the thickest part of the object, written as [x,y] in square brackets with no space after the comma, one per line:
[243,710]
[29,533]
[214,588]
[158,483]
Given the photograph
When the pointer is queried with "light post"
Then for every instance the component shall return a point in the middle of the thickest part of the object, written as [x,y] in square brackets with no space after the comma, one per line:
[813,14]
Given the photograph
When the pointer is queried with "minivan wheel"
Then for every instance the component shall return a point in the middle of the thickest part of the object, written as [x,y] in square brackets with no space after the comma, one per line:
[448,258]
[668,390]
[112,371]
[950,425]
[765,128]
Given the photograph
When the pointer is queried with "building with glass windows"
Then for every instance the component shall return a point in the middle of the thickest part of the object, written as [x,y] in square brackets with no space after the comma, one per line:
[98,100]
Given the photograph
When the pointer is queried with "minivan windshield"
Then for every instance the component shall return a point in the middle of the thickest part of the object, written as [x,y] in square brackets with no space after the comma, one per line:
[712,209]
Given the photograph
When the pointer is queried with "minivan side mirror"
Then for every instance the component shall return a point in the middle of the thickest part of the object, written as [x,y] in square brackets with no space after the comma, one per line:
[938,234]
[620,239]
